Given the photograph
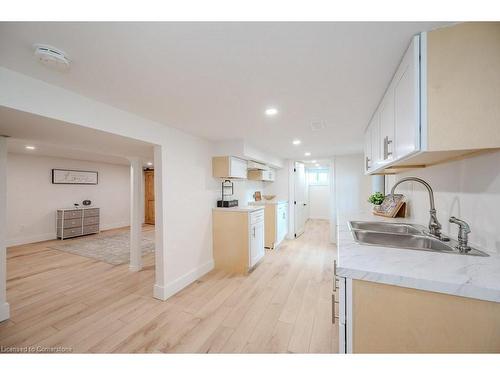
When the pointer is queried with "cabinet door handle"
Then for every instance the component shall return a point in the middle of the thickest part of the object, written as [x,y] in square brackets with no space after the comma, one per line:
[388,143]
[334,315]
[333,308]
[253,232]
[367,163]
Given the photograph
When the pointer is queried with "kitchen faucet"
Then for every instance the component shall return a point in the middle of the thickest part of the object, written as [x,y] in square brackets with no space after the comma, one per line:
[434,224]
[463,234]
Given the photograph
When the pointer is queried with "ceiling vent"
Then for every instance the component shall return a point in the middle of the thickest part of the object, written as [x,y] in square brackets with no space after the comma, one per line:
[51,57]
[317,125]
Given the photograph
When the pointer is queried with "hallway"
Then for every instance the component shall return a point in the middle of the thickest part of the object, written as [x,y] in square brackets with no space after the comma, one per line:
[64,300]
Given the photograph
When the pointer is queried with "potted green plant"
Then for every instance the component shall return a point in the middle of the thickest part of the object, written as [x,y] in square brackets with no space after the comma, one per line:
[376,198]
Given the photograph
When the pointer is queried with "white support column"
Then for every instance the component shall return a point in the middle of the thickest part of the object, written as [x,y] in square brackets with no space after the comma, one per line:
[135,214]
[160,288]
[4,306]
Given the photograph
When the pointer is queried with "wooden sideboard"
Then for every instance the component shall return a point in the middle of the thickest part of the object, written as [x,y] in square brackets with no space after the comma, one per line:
[74,222]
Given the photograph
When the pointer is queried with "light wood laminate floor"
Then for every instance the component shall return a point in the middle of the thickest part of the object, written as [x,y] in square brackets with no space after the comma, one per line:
[63,300]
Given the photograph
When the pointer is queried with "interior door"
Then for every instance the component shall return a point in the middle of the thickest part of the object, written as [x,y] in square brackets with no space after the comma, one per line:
[149,199]
[300,198]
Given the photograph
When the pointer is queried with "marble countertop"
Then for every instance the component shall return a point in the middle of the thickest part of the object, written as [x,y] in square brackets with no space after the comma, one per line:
[460,275]
[239,208]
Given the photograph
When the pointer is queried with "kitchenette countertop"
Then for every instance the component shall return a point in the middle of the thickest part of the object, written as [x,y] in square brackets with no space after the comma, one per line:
[460,275]
[264,202]
[240,208]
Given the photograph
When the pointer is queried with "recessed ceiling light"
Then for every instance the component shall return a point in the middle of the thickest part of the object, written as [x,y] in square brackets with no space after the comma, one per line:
[296,142]
[317,165]
[307,154]
[30,147]
[149,163]
[271,112]
[313,161]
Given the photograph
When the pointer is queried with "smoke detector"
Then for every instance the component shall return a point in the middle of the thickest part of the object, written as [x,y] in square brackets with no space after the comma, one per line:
[51,57]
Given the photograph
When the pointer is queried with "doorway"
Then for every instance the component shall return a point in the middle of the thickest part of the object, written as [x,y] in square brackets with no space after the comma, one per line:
[149,197]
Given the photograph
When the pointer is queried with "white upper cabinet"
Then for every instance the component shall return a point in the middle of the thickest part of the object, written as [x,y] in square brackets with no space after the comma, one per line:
[394,130]
[372,148]
[407,103]
[368,149]
[386,115]
[229,167]
[442,102]
[375,134]
[262,175]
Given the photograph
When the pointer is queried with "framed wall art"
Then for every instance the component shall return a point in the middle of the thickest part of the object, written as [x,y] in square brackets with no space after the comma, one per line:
[72,177]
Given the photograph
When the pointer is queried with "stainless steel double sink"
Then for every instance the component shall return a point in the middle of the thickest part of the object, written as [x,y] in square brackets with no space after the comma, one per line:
[402,236]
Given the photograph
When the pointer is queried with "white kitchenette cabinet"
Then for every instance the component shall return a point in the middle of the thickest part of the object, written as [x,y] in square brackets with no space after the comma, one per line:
[229,167]
[442,102]
[256,237]
[276,222]
[262,175]
[238,238]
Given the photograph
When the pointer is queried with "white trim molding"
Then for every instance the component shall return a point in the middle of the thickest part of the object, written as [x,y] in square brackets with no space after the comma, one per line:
[163,293]
[4,311]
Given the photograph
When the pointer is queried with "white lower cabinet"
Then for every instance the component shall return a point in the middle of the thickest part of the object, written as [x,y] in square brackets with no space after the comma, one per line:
[238,238]
[281,222]
[276,222]
[256,242]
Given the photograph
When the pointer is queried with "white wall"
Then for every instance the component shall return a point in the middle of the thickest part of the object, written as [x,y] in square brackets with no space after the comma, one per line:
[244,190]
[352,188]
[4,305]
[319,204]
[244,150]
[468,189]
[32,199]
[190,194]
[280,186]
[188,190]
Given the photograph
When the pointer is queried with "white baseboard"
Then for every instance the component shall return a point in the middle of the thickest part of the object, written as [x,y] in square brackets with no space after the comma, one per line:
[52,236]
[120,224]
[4,311]
[31,239]
[164,292]
[135,268]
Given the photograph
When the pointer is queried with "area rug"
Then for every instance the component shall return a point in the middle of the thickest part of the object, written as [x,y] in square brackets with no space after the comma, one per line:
[109,248]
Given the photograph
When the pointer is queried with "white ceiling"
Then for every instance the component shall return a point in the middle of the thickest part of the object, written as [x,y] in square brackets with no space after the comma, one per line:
[216,79]
[59,139]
